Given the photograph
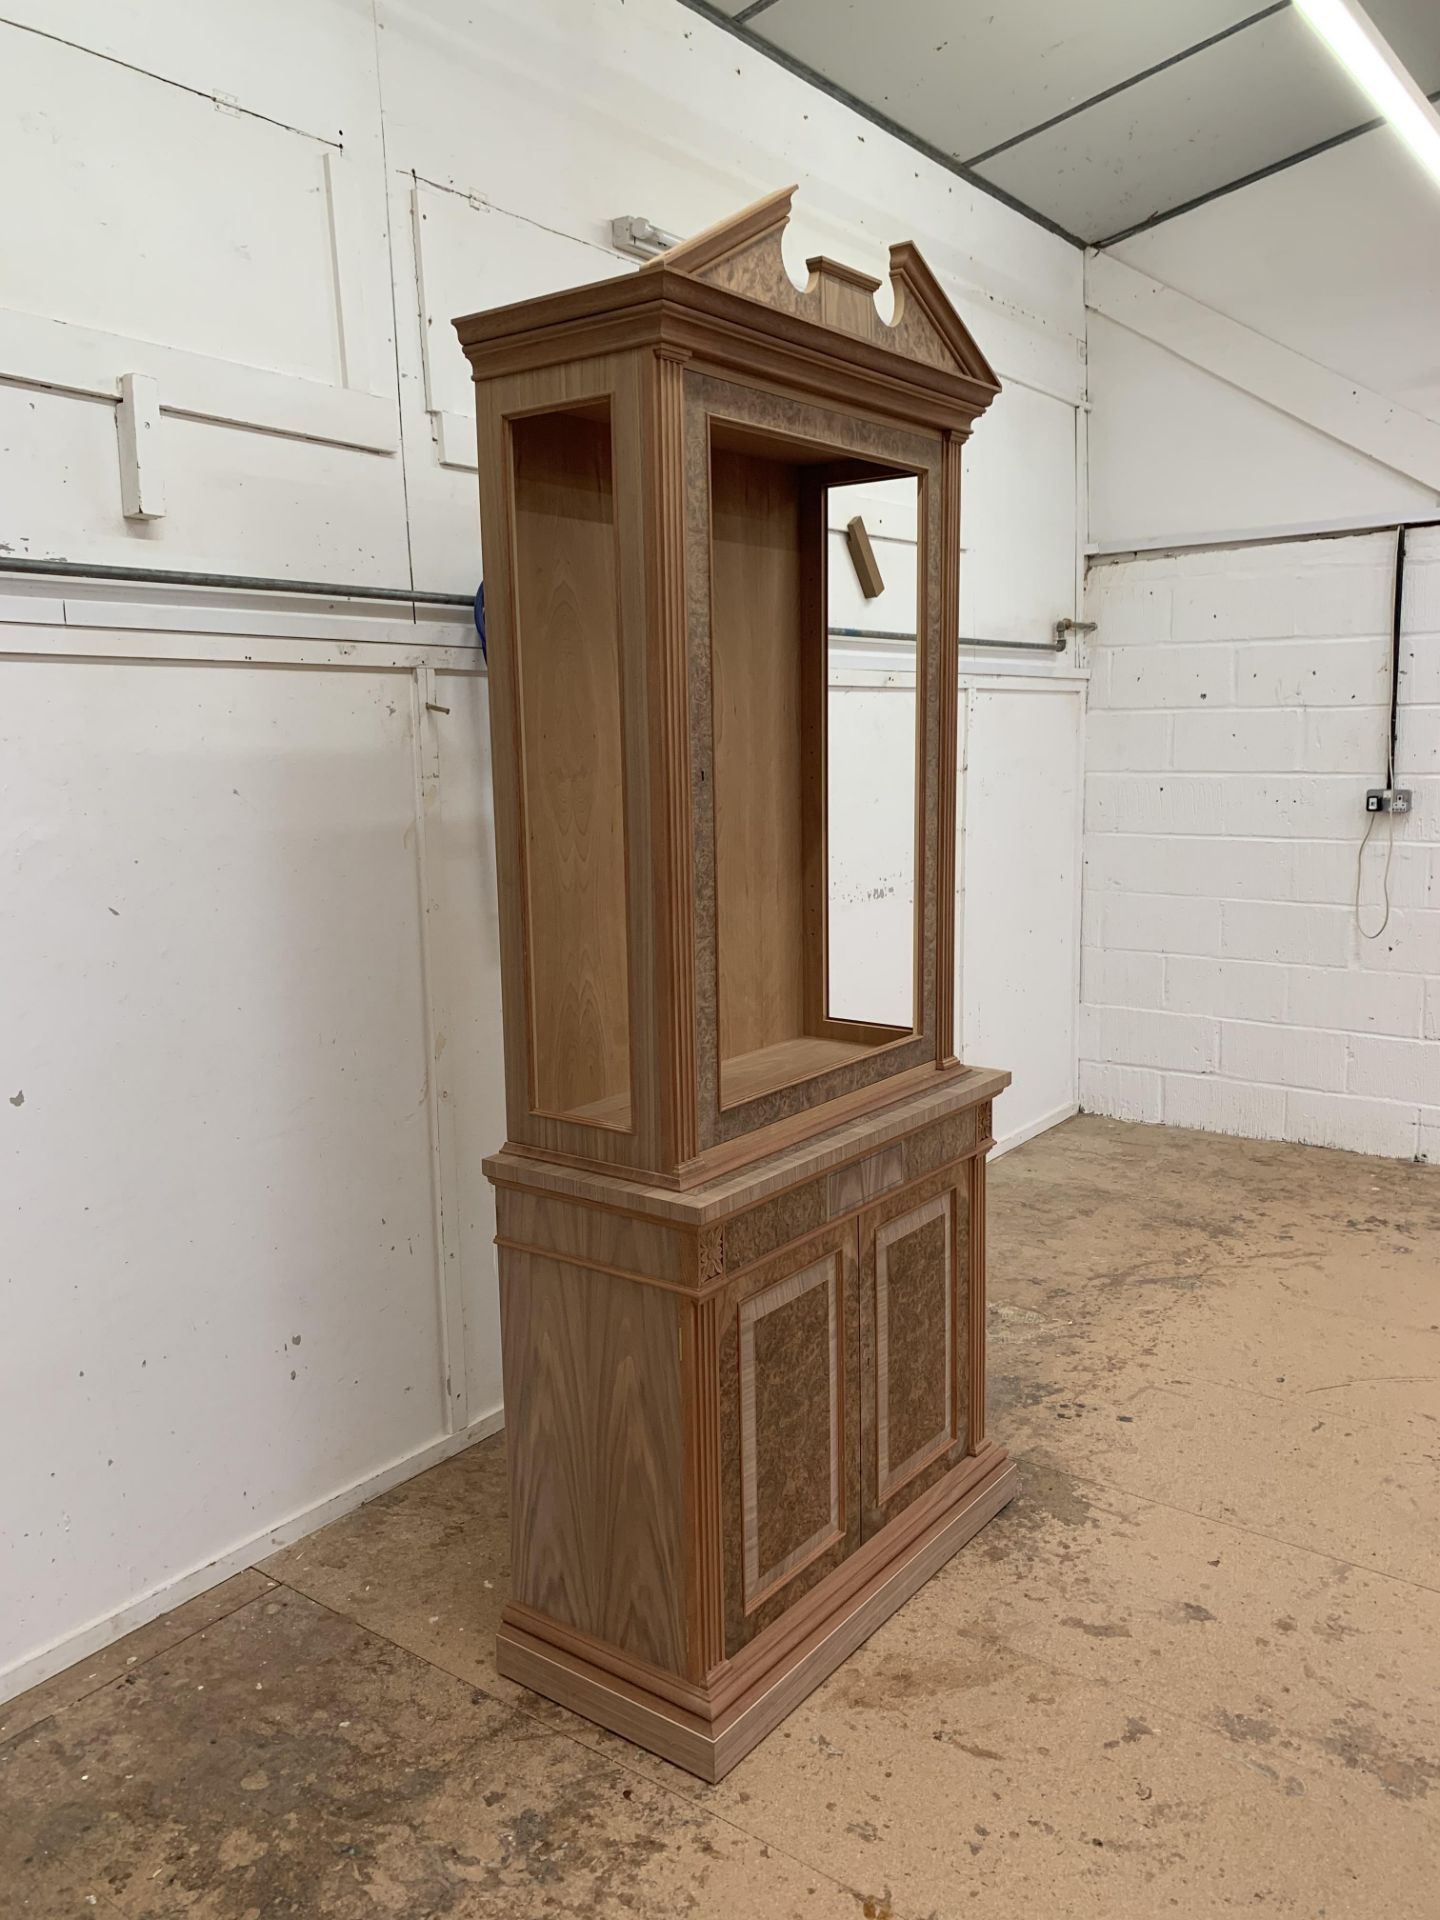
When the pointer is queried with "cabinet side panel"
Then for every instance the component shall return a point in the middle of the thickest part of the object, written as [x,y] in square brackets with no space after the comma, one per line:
[593,1427]
[572,766]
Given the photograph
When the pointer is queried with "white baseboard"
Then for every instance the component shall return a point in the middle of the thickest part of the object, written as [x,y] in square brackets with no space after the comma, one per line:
[1005,1141]
[30,1670]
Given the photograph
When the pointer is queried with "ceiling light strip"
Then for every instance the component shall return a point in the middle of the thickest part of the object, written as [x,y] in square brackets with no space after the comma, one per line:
[1371,62]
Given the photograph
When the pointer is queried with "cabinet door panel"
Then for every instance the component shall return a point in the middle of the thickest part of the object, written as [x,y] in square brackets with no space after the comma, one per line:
[789,1360]
[915,1340]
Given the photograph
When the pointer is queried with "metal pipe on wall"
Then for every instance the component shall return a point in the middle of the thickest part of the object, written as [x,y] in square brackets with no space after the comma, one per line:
[1010,646]
[234,582]
[405,596]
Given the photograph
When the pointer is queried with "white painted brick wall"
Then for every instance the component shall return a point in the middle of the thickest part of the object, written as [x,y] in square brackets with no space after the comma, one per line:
[1233,989]
[1125,1093]
[1238,711]
[1120,979]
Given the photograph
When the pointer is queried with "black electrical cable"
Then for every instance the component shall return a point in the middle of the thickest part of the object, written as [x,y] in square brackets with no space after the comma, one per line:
[1397,613]
[1397,622]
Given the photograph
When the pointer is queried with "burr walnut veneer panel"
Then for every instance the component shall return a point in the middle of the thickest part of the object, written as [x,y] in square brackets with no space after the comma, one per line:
[915,1286]
[788,1349]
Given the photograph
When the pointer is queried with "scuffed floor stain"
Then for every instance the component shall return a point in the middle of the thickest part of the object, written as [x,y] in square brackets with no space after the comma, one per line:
[1247,1727]
[1407,1776]
[1097,1629]
[286,1762]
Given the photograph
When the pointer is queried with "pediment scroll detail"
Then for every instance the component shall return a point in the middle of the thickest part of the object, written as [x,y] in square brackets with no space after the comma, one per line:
[744,255]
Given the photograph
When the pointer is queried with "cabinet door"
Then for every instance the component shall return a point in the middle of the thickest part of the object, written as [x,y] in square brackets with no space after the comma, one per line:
[914,1340]
[790,1433]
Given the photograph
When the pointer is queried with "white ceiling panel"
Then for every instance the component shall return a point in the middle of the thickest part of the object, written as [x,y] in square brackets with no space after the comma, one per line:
[1252,101]
[1054,104]
[1254,258]
[967,74]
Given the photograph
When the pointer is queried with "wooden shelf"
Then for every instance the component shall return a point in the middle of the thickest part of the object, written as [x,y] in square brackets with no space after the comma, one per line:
[612,1111]
[749,1075]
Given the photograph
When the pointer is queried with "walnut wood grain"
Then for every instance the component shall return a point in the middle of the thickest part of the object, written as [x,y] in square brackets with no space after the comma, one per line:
[749,432]
[701,1330]
[587,1236]
[595,1433]
[934,1115]
[759,772]
[745,254]
[866,1179]
[829,1625]
[572,764]
[588,389]
[783,1063]
[663,648]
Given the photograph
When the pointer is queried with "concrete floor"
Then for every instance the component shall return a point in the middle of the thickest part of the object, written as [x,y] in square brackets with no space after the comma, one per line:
[1194,1669]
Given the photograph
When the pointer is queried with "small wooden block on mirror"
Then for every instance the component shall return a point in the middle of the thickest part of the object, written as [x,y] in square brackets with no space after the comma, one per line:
[862,554]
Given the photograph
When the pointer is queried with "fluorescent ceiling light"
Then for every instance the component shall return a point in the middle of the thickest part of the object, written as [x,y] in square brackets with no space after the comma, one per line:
[1358,45]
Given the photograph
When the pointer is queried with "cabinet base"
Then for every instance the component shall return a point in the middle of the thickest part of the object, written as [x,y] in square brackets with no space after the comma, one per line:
[710,1743]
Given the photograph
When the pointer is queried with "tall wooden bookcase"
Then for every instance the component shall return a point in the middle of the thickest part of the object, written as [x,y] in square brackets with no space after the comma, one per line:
[741,1221]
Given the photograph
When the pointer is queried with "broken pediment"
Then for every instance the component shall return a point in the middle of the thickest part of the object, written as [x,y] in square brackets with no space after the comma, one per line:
[743,254]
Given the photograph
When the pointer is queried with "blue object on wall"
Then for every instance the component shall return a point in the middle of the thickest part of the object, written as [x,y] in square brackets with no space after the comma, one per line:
[480,620]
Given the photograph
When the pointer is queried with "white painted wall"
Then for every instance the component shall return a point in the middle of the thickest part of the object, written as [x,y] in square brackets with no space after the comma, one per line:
[1019,801]
[1265,364]
[250,896]
[1239,710]
[285,1031]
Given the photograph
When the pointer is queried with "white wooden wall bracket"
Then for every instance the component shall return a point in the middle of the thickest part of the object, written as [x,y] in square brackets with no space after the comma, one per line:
[137,428]
[1385,431]
[358,367]
[455,443]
